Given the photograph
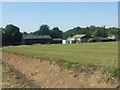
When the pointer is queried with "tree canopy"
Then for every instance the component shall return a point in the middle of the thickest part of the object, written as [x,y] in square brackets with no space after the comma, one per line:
[56,33]
[43,30]
[91,31]
[100,31]
[11,35]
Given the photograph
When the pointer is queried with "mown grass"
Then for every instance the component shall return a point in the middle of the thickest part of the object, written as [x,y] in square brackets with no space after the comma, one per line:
[103,54]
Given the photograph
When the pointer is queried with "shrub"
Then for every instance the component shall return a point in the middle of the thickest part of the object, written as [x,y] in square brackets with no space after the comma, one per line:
[91,40]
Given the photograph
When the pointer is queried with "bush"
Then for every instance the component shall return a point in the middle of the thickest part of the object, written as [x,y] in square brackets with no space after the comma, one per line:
[91,40]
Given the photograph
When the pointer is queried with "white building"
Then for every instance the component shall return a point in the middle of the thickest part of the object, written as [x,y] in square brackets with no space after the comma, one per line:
[112,37]
[66,41]
[79,37]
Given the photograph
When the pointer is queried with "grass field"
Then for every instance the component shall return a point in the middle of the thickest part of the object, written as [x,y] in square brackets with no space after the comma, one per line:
[100,54]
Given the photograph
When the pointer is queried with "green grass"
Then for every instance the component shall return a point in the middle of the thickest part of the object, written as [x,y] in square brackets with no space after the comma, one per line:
[100,54]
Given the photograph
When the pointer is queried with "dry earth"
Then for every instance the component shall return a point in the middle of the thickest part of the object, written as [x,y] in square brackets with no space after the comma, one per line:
[13,78]
[46,75]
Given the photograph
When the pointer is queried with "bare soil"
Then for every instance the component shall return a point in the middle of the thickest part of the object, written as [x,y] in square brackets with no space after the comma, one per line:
[45,75]
[13,78]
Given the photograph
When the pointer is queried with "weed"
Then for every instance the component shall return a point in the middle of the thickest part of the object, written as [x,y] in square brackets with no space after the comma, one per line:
[113,73]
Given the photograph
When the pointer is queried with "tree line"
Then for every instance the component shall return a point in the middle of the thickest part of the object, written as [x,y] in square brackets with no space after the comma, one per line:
[91,31]
[45,30]
[11,34]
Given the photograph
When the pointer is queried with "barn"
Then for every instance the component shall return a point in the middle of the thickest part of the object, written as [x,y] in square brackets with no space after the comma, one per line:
[35,39]
[57,41]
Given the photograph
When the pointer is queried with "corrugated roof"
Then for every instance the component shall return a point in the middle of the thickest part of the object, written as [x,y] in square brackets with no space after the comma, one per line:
[37,37]
[79,35]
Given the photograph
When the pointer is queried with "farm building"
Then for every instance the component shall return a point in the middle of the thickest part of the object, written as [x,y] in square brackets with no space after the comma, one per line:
[101,39]
[35,39]
[106,40]
[79,37]
[57,41]
[66,41]
[113,37]
[97,38]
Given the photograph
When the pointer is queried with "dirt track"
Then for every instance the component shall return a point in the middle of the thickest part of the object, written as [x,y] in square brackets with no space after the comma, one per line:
[46,75]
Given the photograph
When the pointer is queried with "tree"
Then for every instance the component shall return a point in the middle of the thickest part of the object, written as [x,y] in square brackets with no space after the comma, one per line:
[56,33]
[71,32]
[25,33]
[44,30]
[92,28]
[113,31]
[33,33]
[100,31]
[11,35]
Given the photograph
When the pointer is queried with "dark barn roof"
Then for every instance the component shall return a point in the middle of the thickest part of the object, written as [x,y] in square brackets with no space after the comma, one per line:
[106,39]
[57,39]
[37,37]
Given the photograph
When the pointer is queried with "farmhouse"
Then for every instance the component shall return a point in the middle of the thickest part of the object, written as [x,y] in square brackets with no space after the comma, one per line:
[79,37]
[35,39]
[113,37]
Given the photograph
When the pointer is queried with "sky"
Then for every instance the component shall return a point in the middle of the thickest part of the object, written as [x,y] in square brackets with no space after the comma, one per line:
[29,16]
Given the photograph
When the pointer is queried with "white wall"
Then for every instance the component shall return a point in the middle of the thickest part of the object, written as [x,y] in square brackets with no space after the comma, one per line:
[63,41]
[66,41]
